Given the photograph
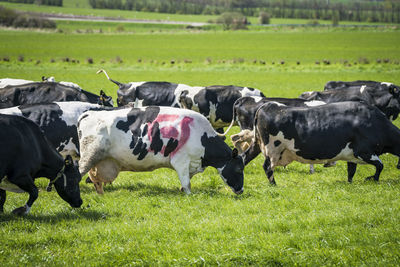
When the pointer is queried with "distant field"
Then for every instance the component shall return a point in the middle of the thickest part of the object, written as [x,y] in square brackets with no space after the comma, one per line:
[80,8]
[143,218]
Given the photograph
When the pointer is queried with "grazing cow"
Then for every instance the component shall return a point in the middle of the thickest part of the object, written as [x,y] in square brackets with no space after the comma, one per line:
[13,82]
[244,111]
[351,131]
[384,96]
[147,138]
[58,121]
[214,102]
[46,92]
[26,154]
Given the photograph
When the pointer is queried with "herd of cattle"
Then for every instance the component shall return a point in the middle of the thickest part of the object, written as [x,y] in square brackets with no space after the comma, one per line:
[60,131]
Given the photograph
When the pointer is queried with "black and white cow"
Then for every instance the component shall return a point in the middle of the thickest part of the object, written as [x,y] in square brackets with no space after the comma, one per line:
[354,84]
[26,154]
[244,111]
[147,138]
[384,96]
[13,82]
[46,92]
[214,102]
[58,121]
[351,131]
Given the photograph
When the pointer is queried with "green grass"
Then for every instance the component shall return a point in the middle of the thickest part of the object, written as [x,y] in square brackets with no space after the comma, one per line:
[143,218]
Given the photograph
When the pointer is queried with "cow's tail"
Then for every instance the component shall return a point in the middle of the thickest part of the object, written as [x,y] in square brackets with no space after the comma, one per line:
[108,77]
[233,120]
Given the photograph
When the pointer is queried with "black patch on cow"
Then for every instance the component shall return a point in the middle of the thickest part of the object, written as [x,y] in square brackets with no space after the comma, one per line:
[156,93]
[171,145]
[216,152]
[277,143]
[135,119]
[156,141]
[145,128]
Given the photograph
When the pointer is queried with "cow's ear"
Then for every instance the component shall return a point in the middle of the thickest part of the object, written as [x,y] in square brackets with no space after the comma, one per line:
[68,161]
[235,153]
[43,78]
[102,93]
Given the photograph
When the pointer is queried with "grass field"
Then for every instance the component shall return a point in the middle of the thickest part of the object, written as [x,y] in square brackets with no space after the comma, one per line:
[143,218]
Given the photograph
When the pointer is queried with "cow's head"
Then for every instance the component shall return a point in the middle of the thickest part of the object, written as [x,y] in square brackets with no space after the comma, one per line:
[105,100]
[232,172]
[67,186]
[387,98]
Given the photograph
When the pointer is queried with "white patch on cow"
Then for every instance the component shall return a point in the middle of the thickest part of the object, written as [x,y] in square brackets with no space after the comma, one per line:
[276,103]
[73,109]
[138,103]
[314,103]
[11,111]
[192,91]
[9,81]
[5,184]
[306,94]
[257,98]
[247,92]
[71,84]
[285,153]
[362,88]
[386,83]
[68,148]
[375,158]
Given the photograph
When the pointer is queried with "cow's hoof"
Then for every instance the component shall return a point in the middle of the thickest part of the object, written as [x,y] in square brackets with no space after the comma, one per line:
[88,181]
[371,178]
[20,211]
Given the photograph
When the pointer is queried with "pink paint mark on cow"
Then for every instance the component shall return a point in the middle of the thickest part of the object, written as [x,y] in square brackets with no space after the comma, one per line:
[169,132]
[185,133]
[160,118]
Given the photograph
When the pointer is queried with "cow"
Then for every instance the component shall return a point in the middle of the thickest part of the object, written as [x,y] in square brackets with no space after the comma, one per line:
[384,96]
[244,111]
[214,102]
[13,82]
[58,121]
[351,131]
[354,84]
[147,138]
[45,92]
[26,154]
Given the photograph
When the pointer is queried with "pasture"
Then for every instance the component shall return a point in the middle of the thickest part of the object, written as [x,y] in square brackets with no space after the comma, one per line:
[143,218]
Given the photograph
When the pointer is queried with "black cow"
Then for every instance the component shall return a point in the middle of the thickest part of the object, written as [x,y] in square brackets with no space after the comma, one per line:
[384,96]
[214,102]
[26,154]
[46,92]
[351,131]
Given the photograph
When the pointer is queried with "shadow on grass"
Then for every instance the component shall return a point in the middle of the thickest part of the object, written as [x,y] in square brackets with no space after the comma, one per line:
[69,215]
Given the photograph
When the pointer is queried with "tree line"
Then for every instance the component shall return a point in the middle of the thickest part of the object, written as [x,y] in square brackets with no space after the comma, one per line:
[366,10]
[38,2]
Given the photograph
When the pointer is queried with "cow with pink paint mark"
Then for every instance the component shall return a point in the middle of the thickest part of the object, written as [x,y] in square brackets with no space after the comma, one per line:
[148,138]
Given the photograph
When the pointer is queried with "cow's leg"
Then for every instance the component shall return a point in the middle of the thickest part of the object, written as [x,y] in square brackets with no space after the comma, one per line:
[181,166]
[27,184]
[374,160]
[269,171]
[351,170]
[251,153]
[2,200]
